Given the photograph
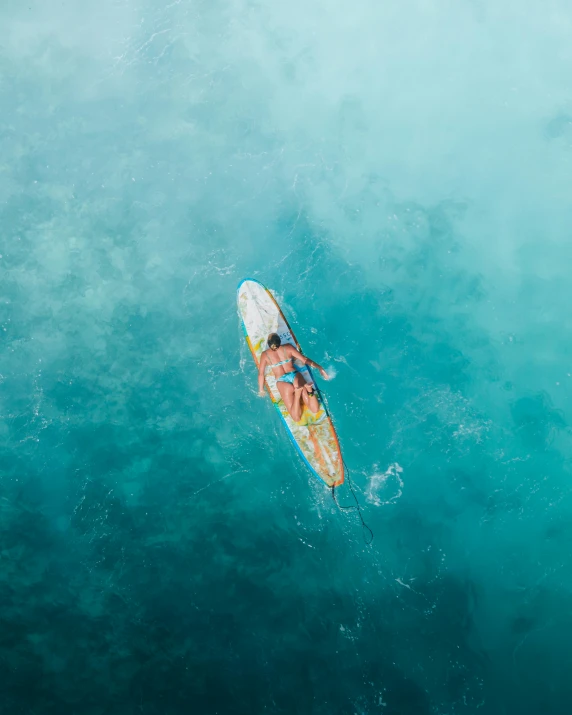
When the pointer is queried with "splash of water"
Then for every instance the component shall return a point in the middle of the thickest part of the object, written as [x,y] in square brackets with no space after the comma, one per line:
[381,486]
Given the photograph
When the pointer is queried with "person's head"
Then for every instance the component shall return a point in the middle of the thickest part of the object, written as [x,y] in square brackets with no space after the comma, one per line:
[274,341]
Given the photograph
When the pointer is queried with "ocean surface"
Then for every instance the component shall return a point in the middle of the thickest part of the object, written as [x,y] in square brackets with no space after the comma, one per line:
[399,173]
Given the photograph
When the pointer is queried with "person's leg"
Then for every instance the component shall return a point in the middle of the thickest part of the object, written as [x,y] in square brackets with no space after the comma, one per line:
[301,398]
[311,401]
[286,391]
[296,411]
[291,396]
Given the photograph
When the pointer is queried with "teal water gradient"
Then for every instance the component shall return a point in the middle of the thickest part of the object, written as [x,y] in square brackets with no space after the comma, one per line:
[399,174]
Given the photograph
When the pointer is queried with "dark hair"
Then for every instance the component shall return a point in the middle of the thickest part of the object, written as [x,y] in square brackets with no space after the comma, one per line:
[274,339]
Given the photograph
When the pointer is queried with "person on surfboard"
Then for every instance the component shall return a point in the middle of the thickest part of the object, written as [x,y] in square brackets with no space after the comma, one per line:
[293,388]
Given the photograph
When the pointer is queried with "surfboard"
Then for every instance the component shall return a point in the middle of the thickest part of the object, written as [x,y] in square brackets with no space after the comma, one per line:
[314,435]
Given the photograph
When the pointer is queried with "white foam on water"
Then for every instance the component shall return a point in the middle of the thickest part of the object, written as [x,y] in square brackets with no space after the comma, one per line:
[386,488]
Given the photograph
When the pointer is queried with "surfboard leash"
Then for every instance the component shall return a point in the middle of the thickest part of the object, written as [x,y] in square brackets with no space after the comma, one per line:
[357,506]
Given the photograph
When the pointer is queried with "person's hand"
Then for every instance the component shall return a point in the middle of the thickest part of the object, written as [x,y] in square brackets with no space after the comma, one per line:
[324,374]
[261,393]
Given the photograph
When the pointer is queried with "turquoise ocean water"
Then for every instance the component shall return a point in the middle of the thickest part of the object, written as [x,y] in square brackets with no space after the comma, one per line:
[400,174]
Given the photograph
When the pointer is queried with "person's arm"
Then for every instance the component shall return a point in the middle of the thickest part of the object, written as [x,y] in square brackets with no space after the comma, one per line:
[261,369]
[298,355]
